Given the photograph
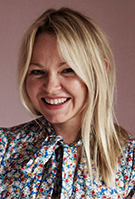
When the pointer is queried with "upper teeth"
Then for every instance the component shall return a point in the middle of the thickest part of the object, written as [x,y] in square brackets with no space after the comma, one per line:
[56,101]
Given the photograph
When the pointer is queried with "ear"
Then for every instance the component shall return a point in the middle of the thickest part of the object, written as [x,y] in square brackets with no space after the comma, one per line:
[106,63]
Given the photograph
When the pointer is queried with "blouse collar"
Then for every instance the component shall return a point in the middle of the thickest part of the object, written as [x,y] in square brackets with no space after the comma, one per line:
[47,149]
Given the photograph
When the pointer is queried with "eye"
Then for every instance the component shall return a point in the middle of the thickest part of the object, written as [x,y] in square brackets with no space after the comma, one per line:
[68,70]
[37,72]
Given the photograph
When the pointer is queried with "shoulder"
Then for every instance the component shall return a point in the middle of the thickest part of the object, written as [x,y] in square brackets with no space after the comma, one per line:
[27,131]
[128,153]
[127,159]
[129,147]
[22,129]
[126,167]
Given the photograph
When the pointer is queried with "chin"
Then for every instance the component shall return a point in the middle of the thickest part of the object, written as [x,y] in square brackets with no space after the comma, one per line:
[54,120]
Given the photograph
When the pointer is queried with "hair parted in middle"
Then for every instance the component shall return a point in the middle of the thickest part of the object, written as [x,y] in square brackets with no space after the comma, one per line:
[85,49]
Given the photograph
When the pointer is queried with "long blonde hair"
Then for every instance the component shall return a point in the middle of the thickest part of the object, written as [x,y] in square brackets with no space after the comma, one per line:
[85,49]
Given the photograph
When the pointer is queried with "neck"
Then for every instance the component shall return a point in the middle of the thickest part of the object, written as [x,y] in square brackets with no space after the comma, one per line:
[70,132]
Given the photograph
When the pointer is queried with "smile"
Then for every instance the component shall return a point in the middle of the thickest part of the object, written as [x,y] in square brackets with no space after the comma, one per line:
[55,101]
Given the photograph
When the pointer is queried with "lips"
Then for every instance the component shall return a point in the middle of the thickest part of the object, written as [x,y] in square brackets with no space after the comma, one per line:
[56,101]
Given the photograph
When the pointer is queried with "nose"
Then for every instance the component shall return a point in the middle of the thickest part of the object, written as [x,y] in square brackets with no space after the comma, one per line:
[52,83]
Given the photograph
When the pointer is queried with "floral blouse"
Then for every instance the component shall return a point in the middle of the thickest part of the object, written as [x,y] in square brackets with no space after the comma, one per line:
[36,163]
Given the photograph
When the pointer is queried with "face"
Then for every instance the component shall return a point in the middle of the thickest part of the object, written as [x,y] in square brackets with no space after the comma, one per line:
[53,87]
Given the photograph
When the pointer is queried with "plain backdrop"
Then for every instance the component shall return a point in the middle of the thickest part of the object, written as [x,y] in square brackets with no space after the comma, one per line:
[116,18]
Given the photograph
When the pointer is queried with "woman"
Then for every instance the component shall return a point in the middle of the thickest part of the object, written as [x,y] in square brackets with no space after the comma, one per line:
[74,149]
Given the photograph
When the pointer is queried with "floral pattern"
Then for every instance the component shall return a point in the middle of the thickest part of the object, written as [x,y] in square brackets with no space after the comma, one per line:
[36,163]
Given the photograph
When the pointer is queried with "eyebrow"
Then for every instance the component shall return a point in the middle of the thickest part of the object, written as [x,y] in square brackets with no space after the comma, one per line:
[36,64]
[41,66]
[62,63]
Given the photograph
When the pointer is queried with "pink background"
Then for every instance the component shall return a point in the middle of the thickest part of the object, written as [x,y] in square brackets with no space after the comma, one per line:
[116,18]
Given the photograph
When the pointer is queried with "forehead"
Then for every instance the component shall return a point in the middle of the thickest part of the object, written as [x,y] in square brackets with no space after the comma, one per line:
[45,41]
[46,49]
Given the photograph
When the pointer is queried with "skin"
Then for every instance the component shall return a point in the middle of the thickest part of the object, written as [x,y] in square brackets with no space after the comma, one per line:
[50,79]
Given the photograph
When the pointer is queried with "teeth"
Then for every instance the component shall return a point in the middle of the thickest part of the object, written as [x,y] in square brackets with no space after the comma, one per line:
[56,101]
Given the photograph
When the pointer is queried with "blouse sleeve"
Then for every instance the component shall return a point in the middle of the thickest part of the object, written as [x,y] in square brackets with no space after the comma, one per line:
[131,167]
[3,145]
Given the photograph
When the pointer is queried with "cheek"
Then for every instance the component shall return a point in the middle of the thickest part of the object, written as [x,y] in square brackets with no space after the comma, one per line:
[78,89]
[28,86]
[81,88]
[31,88]
[84,93]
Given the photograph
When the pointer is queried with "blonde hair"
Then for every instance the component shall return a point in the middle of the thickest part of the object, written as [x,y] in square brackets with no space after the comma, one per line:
[85,48]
